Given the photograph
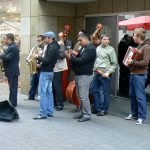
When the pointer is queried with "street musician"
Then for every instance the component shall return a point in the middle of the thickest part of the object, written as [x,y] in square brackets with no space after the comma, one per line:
[138,76]
[34,67]
[3,48]
[10,59]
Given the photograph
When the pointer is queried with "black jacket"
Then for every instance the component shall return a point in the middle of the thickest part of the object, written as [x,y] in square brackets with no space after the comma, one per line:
[50,58]
[11,60]
[83,63]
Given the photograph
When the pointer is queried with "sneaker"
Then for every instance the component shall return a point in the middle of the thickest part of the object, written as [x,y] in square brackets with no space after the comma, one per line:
[139,121]
[59,108]
[130,117]
[40,117]
[83,119]
[102,113]
[49,115]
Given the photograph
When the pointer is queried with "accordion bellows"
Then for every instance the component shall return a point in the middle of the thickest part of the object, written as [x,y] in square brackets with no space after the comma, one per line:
[132,53]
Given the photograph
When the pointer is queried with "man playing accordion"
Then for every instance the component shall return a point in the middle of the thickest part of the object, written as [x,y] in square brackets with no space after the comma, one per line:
[138,76]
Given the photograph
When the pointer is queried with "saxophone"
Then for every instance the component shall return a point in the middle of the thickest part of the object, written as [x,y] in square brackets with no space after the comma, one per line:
[32,62]
[2,49]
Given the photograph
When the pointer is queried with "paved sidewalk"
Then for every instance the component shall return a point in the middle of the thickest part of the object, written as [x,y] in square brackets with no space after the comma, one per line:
[62,132]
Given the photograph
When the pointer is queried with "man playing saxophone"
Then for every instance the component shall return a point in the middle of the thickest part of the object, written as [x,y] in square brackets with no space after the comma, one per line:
[10,59]
[34,67]
[3,48]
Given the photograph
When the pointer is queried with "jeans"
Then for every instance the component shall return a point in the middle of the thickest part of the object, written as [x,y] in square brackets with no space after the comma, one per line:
[100,88]
[45,93]
[57,83]
[137,95]
[34,81]
[83,84]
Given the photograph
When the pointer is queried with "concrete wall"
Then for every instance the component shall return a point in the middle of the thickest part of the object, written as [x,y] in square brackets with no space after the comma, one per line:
[108,6]
[39,16]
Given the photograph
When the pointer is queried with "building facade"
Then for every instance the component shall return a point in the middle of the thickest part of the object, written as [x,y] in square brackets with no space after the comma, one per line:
[39,16]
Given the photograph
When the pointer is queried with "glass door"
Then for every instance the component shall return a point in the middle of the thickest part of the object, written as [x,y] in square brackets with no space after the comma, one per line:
[110,27]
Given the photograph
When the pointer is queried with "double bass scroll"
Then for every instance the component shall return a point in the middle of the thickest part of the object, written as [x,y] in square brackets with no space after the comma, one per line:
[97,31]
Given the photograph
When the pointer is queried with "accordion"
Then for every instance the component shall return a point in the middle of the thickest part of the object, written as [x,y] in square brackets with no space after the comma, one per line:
[133,53]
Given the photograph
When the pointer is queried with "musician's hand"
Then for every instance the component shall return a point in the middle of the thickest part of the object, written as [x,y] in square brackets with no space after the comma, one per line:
[40,53]
[106,75]
[74,53]
[68,54]
[35,55]
[129,61]
[38,65]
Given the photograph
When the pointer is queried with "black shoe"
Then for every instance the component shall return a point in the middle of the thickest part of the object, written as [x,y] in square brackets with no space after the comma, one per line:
[77,116]
[94,111]
[59,108]
[102,113]
[29,99]
[49,115]
[40,117]
[83,119]
[55,107]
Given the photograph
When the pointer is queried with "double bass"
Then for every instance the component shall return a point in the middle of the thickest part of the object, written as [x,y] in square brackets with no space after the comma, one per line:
[65,73]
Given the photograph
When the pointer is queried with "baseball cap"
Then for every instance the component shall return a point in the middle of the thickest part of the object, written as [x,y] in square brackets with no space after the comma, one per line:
[49,34]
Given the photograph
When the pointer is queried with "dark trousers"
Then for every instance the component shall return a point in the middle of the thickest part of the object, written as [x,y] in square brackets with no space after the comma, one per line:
[34,81]
[57,85]
[100,90]
[13,89]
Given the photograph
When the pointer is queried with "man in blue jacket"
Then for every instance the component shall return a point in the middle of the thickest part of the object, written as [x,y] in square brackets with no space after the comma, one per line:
[48,61]
[10,59]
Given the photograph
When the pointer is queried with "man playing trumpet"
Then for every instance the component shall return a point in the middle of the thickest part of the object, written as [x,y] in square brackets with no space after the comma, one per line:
[34,68]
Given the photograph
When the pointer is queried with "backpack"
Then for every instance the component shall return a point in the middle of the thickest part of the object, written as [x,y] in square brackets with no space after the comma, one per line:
[8,112]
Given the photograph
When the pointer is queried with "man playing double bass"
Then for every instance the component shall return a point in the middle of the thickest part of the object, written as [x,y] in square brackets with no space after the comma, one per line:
[82,65]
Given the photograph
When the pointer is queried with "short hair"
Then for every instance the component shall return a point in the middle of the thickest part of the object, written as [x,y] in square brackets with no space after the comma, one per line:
[40,36]
[140,32]
[10,36]
[84,36]
[83,31]
[104,35]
